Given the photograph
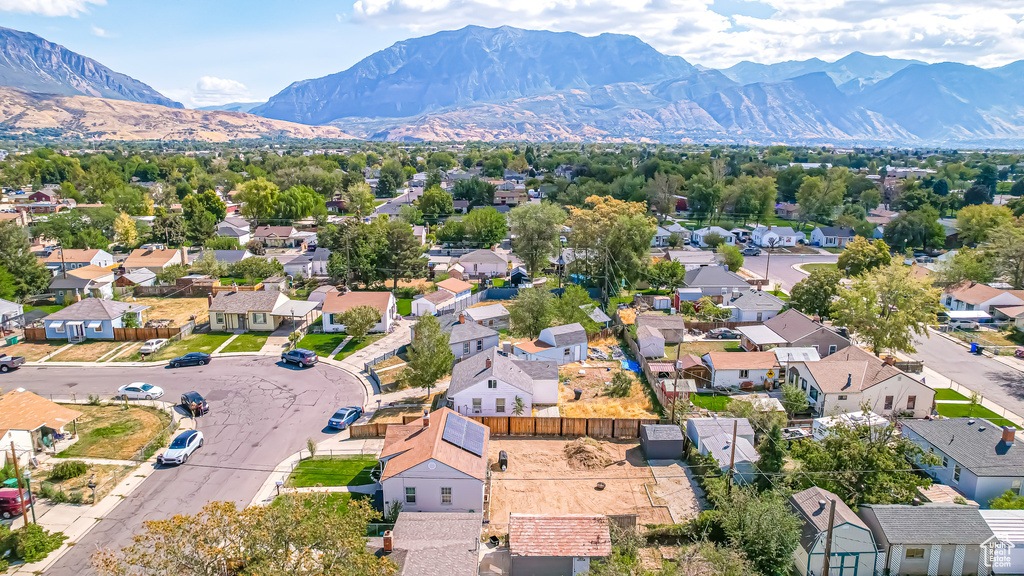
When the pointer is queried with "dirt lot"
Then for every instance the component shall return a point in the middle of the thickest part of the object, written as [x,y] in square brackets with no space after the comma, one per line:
[395,415]
[32,350]
[539,480]
[595,402]
[177,309]
[89,351]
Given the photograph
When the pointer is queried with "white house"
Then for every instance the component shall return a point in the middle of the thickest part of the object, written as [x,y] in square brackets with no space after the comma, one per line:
[692,258]
[319,261]
[70,258]
[429,304]
[977,296]
[698,237]
[488,384]
[857,552]
[494,316]
[752,305]
[741,369]
[660,239]
[832,236]
[458,288]
[562,344]
[234,227]
[484,264]
[437,464]
[773,236]
[469,338]
[714,436]
[337,302]
[9,311]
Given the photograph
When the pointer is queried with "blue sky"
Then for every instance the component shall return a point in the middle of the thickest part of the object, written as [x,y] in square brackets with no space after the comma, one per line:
[217,51]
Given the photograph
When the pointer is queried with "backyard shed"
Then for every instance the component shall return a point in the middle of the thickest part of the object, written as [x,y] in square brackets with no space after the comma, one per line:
[661,441]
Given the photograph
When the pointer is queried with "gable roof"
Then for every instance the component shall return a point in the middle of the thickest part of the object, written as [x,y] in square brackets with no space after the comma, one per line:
[714,277]
[487,312]
[850,370]
[808,504]
[454,285]
[705,427]
[779,230]
[837,231]
[410,445]
[662,431]
[975,292]
[761,334]
[23,410]
[321,254]
[595,313]
[483,257]
[754,299]
[470,331]
[144,257]
[245,301]
[930,524]
[542,535]
[336,302]
[436,543]
[518,373]
[719,445]
[974,443]
[71,255]
[659,321]
[439,297]
[792,325]
[140,275]
[225,256]
[566,334]
[279,231]
[742,360]
[95,309]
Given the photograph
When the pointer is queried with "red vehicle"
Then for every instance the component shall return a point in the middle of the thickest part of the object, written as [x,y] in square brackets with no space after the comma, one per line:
[10,503]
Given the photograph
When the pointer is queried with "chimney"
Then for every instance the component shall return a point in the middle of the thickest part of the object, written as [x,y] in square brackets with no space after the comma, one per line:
[890,360]
[462,318]
[822,504]
[426,419]
[487,363]
[184,255]
[1008,434]
[389,541]
[209,299]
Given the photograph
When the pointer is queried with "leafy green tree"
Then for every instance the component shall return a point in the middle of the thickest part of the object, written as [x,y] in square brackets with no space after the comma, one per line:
[1007,249]
[359,320]
[125,232]
[435,204]
[967,265]
[1018,188]
[359,200]
[201,227]
[209,265]
[977,194]
[661,192]
[8,284]
[862,255]
[794,400]
[569,308]
[296,203]
[713,240]
[731,257]
[337,266]
[531,311]
[452,232]
[622,384]
[704,197]
[813,295]
[763,526]
[386,186]
[758,412]
[870,198]
[818,196]
[536,230]
[169,228]
[773,456]
[485,227]
[1007,501]
[258,199]
[430,356]
[210,202]
[170,274]
[222,243]
[411,215]
[494,168]
[518,406]
[256,247]
[668,274]
[612,241]
[403,257]
[974,223]
[887,308]
[90,238]
[254,269]
[476,191]
[917,229]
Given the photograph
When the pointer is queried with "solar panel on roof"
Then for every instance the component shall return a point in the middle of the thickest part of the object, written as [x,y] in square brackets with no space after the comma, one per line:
[454,430]
[474,440]
[465,434]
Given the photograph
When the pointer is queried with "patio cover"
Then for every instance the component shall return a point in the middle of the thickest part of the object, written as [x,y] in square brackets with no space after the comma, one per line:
[300,307]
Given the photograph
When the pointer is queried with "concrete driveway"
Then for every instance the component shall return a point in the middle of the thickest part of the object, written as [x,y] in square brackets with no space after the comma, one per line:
[260,413]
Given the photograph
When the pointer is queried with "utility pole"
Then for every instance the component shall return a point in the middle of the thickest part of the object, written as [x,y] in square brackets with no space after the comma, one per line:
[17,474]
[732,456]
[828,536]
[607,294]
[63,267]
[675,384]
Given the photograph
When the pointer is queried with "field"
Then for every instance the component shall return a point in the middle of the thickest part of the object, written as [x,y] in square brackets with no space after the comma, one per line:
[177,309]
[327,471]
[540,480]
[113,432]
[247,343]
[595,402]
[88,351]
[33,351]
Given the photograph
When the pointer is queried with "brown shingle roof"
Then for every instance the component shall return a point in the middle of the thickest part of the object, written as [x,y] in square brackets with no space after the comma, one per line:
[454,285]
[792,325]
[973,292]
[742,360]
[142,258]
[851,364]
[90,272]
[336,302]
[23,410]
[439,297]
[559,536]
[71,255]
[278,231]
[409,445]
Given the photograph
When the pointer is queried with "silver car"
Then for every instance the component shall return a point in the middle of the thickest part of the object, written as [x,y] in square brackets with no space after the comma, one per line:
[152,345]
[139,391]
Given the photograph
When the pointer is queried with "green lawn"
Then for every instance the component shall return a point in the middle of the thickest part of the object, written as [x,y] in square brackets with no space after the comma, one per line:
[779,294]
[405,306]
[498,282]
[964,410]
[818,266]
[49,309]
[247,343]
[194,343]
[322,344]
[709,401]
[949,394]
[327,471]
[356,344]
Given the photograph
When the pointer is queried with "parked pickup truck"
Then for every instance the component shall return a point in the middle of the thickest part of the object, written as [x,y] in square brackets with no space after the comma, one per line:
[8,363]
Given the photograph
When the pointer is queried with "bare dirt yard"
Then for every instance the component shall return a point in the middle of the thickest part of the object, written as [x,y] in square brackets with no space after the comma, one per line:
[595,401]
[540,479]
[88,351]
[33,351]
[177,309]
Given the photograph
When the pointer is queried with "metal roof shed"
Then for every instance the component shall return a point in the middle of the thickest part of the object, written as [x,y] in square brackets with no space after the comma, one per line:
[661,441]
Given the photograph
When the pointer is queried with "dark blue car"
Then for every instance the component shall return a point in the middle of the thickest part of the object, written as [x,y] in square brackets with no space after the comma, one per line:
[191,359]
[345,417]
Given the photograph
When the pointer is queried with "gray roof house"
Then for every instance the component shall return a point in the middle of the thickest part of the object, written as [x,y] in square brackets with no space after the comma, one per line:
[489,383]
[939,539]
[714,280]
[493,316]
[246,310]
[223,256]
[434,543]
[752,305]
[976,457]
[469,338]
[796,329]
[714,436]
[563,344]
[92,318]
[662,441]
[320,257]
[853,546]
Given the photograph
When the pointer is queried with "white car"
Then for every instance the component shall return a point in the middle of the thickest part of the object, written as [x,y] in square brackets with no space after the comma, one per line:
[139,391]
[152,345]
[181,448]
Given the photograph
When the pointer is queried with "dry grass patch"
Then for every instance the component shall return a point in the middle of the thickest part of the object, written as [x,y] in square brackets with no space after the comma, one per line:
[177,309]
[32,351]
[106,477]
[88,351]
[113,432]
[395,415]
[595,401]
[628,316]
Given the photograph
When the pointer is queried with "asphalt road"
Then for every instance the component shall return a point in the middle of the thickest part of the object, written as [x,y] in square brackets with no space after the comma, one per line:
[782,271]
[993,379]
[260,412]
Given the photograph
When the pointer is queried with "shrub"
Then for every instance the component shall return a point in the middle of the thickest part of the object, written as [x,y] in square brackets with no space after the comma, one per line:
[32,543]
[622,385]
[59,497]
[153,446]
[407,292]
[94,400]
[68,469]
[76,497]
[46,490]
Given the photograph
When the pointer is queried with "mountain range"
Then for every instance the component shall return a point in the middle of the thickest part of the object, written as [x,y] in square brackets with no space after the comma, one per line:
[507,83]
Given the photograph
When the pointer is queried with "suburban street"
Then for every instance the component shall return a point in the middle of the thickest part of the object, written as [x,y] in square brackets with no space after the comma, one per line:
[991,378]
[782,271]
[260,413]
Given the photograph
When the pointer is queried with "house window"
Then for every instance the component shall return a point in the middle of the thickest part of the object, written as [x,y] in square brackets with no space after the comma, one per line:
[259,318]
[803,384]
[60,328]
[568,351]
[1015,487]
[492,384]
[842,396]
[815,346]
[334,319]
[220,318]
[956,473]
[915,552]
[888,403]
[477,405]
[98,328]
[479,345]
[465,348]
[945,461]
[744,373]
[814,393]
[446,495]
[499,405]
[911,402]
[410,495]
[831,348]
[490,322]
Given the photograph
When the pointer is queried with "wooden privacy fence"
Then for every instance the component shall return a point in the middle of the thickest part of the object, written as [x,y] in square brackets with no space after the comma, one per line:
[126,334]
[533,426]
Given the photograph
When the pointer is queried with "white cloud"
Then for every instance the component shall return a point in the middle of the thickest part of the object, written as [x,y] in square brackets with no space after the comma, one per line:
[49,7]
[983,32]
[212,91]
[97,31]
